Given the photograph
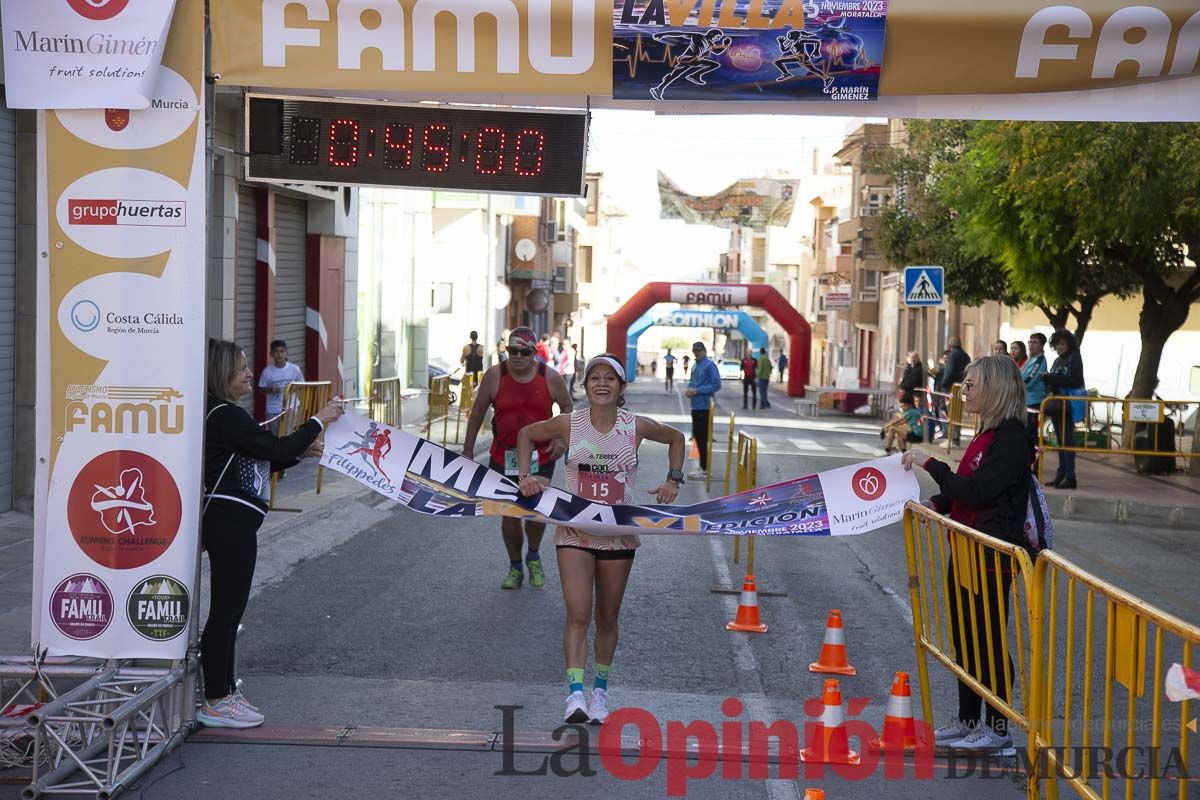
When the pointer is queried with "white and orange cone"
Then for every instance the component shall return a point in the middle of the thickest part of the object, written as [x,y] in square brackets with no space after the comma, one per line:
[814,794]
[833,650]
[832,744]
[747,612]
[899,728]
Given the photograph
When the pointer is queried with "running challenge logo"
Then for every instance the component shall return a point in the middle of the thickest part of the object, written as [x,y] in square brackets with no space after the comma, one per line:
[124,509]
[142,213]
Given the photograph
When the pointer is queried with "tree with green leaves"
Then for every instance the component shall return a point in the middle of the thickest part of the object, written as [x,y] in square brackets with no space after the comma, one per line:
[1062,207]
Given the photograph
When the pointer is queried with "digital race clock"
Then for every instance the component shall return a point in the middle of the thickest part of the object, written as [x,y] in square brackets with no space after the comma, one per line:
[305,140]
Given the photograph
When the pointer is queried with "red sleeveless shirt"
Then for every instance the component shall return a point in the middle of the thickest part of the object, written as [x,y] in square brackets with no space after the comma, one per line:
[516,405]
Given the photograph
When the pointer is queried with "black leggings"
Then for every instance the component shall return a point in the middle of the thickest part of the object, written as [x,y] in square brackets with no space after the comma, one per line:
[230,535]
[969,703]
[700,434]
[749,392]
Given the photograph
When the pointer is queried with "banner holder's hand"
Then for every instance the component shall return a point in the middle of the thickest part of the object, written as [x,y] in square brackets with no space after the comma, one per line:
[666,492]
[532,484]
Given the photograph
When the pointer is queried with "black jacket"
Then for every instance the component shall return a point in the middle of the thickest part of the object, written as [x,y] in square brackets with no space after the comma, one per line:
[1067,372]
[252,453]
[913,378]
[994,496]
[956,368]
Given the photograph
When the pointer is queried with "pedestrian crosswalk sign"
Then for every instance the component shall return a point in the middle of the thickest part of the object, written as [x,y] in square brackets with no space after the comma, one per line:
[924,286]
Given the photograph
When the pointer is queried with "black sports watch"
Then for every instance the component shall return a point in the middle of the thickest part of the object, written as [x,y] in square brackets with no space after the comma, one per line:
[676,475]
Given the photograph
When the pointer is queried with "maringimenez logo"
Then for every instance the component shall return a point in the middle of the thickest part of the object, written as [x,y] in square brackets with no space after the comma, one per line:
[98,10]
[868,484]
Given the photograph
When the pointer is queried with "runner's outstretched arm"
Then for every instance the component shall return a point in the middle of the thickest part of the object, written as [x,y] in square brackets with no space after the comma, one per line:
[484,395]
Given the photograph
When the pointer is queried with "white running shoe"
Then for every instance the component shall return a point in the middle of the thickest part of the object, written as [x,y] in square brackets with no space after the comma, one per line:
[577,710]
[952,731]
[698,475]
[598,706]
[985,740]
[228,713]
[241,699]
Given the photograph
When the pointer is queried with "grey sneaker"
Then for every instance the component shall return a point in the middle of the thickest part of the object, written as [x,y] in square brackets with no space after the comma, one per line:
[952,731]
[598,706]
[228,713]
[985,740]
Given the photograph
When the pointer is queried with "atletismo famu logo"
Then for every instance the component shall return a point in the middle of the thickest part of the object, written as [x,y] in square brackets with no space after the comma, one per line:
[81,606]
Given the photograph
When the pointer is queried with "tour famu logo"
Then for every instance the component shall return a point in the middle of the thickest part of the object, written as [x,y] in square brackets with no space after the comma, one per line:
[158,608]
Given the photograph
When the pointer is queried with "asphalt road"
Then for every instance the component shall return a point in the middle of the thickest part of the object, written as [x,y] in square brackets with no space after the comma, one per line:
[404,626]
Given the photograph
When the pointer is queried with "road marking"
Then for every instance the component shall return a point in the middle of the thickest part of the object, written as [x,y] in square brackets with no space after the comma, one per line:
[900,601]
[860,447]
[808,444]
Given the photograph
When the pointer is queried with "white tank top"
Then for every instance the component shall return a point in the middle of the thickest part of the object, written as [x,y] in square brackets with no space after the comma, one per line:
[603,468]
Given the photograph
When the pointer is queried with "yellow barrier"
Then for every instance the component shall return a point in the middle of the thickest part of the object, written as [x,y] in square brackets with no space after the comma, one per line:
[729,451]
[1108,428]
[1067,715]
[301,400]
[712,411]
[747,478]
[384,401]
[439,406]
[943,555]
[466,399]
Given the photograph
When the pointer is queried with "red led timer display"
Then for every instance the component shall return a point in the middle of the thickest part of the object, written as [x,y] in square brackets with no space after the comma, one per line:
[525,151]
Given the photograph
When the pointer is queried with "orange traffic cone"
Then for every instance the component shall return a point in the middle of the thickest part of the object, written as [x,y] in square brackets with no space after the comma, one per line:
[832,745]
[814,794]
[899,729]
[747,612]
[833,651]
[694,454]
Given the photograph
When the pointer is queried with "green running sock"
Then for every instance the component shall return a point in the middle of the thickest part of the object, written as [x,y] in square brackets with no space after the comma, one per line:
[601,681]
[575,678]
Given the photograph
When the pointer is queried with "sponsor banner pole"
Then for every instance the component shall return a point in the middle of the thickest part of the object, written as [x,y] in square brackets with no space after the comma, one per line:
[120,387]
[433,480]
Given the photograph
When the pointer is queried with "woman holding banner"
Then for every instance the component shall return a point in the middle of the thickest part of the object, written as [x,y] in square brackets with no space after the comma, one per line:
[239,456]
[989,492]
[602,466]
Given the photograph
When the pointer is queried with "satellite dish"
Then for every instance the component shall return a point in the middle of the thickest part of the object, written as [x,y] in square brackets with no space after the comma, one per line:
[525,249]
[501,295]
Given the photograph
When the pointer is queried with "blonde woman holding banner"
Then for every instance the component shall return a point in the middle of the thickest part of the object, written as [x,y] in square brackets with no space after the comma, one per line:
[602,462]
[988,492]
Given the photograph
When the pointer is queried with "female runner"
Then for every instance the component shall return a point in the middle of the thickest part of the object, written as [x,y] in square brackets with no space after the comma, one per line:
[602,462]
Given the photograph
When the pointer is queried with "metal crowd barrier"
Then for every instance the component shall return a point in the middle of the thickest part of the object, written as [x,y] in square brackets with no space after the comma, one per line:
[712,410]
[1091,694]
[385,402]
[956,579]
[301,400]
[747,478]
[466,399]
[1104,430]
[439,406]
[729,451]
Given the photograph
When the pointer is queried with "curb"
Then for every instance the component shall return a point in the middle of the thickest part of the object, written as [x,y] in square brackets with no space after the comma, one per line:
[1064,505]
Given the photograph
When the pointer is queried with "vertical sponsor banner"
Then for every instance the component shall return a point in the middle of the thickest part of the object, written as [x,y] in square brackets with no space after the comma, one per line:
[736,50]
[120,385]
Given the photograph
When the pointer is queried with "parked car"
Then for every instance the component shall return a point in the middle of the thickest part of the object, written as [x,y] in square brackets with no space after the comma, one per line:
[729,369]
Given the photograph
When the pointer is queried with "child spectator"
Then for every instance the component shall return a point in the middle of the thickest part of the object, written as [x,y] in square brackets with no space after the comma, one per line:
[904,428]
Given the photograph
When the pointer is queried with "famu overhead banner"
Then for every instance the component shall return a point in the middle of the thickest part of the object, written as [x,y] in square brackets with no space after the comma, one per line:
[514,46]
[531,48]
[430,479]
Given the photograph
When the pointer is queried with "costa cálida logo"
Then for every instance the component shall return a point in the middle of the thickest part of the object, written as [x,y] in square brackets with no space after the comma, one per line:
[124,509]
[158,608]
[868,484]
[81,606]
[144,213]
[98,10]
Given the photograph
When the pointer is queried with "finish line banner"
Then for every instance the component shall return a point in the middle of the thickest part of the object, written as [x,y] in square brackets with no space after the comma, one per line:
[433,480]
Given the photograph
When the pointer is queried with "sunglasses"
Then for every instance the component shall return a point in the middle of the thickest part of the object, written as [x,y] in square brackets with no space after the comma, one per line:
[520,351]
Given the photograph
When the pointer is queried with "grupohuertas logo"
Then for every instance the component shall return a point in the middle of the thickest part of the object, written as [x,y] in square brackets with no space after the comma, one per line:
[141,213]
[158,608]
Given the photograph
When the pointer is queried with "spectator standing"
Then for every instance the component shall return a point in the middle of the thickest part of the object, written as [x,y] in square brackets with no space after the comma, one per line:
[472,356]
[578,368]
[566,366]
[957,361]
[1035,388]
[783,362]
[763,373]
[543,350]
[999,348]
[1017,351]
[1064,378]
[705,382]
[274,379]
[749,381]
[912,380]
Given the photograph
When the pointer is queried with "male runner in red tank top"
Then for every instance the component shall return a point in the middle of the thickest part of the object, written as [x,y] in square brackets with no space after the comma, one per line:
[520,391]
